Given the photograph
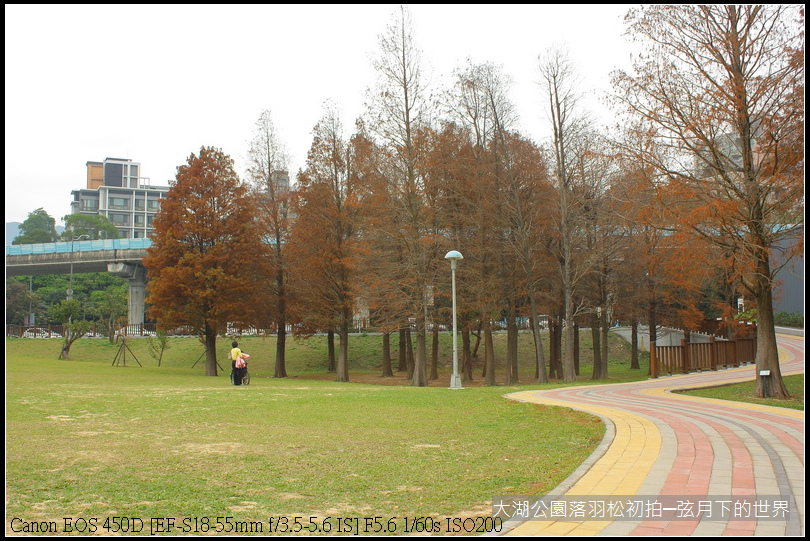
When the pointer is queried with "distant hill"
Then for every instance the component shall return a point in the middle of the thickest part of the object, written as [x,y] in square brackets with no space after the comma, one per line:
[13,229]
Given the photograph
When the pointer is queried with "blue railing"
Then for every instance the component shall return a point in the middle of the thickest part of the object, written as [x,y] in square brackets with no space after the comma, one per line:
[79,246]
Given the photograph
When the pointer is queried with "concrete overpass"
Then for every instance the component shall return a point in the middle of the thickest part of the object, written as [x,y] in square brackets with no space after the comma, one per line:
[121,257]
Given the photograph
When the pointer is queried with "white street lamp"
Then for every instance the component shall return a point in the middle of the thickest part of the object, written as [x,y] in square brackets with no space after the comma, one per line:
[454,257]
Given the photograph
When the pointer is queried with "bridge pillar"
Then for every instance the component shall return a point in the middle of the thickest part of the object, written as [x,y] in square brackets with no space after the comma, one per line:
[136,276]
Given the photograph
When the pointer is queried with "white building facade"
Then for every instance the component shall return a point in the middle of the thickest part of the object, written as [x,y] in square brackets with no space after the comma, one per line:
[116,190]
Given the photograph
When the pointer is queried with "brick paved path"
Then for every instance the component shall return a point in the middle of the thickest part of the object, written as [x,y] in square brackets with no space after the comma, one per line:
[660,443]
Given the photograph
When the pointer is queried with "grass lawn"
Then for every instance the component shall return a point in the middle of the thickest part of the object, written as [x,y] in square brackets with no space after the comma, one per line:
[744,392]
[94,438]
[308,358]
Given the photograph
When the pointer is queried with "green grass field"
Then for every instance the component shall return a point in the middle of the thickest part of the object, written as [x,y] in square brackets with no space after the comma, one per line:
[94,441]
[743,392]
[308,357]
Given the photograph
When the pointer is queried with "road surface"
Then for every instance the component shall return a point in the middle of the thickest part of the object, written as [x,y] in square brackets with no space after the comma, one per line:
[672,464]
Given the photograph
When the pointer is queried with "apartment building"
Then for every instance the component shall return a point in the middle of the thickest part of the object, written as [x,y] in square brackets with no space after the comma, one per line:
[116,189]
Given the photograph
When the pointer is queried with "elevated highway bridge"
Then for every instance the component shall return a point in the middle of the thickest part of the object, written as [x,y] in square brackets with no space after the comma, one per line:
[121,257]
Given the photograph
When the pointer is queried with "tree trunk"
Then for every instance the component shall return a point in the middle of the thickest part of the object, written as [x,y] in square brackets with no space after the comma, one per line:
[576,348]
[434,354]
[65,353]
[210,351]
[540,372]
[477,340]
[767,352]
[343,354]
[466,353]
[634,345]
[420,361]
[597,349]
[511,352]
[409,353]
[653,335]
[489,355]
[387,369]
[330,346]
[569,355]
[281,341]
[281,347]
[555,339]
[604,357]
[402,365]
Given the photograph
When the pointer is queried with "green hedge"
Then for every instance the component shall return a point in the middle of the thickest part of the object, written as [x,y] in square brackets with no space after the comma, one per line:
[785,319]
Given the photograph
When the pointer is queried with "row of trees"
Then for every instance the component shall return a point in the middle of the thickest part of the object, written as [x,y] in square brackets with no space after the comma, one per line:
[720,95]
[657,221]
[99,299]
[40,227]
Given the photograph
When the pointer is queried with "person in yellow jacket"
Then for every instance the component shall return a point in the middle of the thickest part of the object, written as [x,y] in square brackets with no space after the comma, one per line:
[238,373]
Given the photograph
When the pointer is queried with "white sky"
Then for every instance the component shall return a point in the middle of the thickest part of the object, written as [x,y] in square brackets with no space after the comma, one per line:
[154,83]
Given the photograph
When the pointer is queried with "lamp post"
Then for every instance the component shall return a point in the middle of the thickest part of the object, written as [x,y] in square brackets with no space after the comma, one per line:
[454,257]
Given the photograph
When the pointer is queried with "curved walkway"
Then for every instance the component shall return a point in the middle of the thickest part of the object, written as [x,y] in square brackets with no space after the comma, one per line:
[707,454]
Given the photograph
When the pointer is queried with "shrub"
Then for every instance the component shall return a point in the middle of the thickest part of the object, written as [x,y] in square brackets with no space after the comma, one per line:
[786,319]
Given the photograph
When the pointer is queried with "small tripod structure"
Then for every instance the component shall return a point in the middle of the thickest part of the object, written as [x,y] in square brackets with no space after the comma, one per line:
[201,358]
[121,356]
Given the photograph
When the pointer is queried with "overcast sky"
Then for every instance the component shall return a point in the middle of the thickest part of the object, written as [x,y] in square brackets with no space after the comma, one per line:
[155,83]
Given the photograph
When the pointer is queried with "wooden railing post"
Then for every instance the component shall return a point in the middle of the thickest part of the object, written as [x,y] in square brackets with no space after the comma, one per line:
[685,348]
[754,346]
[712,353]
[734,361]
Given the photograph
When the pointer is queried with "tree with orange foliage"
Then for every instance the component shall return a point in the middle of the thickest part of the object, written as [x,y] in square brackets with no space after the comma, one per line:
[206,262]
[381,295]
[528,214]
[324,248]
[718,84]
[449,166]
[665,272]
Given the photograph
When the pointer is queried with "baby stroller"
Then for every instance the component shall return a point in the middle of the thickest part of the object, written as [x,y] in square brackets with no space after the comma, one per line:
[239,372]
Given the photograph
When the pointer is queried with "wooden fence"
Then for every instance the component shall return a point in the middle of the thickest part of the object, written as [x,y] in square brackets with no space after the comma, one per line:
[728,329]
[717,353]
